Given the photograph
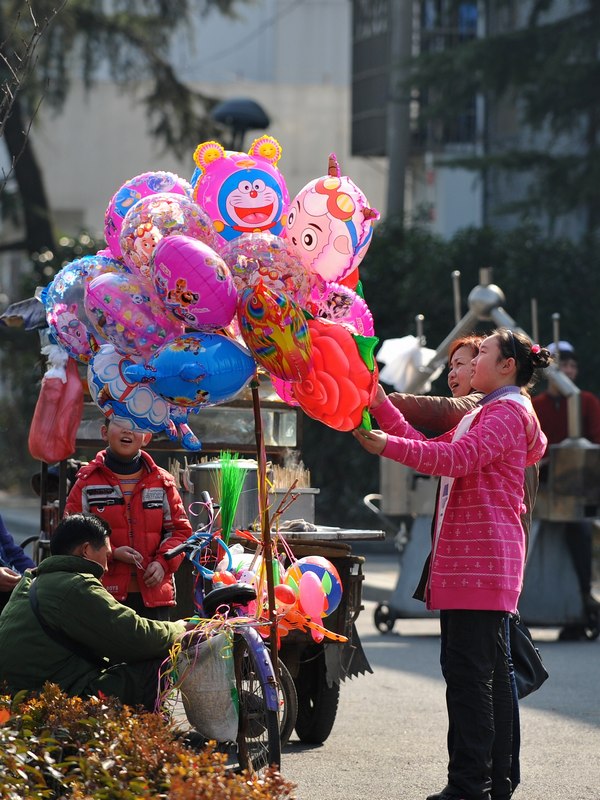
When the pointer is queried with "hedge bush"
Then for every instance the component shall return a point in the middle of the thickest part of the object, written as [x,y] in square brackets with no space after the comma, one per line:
[55,747]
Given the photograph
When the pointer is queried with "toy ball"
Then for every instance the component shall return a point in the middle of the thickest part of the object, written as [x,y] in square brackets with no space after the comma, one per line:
[153,218]
[194,283]
[330,224]
[339,303]
[63,300]
[241,192]
[196,369]
[126,310]
[261,256]
[275,331]
[342,380]
[330,581]
[128,195]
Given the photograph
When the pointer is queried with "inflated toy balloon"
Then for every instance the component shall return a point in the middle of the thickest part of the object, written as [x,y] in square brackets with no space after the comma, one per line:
[196,369]
[339,303]
[330,224]
[261,256]
[194,283]
[283,389]
[128,195]
[155,217]
[342,380]
[275,330]
[125,309]
[63,300]
[328,578]
[241,192]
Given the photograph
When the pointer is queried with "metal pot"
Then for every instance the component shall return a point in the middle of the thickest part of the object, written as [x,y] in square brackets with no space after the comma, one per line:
[207,478]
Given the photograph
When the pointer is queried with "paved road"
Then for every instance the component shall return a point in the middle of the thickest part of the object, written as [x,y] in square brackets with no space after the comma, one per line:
[389,736]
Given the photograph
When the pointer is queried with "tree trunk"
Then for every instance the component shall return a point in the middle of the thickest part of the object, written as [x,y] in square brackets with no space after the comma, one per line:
[36,211]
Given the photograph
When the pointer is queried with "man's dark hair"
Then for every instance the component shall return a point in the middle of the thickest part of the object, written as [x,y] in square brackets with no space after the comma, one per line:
[76,529]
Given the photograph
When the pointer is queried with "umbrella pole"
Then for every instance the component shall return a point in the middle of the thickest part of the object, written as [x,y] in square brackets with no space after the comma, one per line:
[265,525]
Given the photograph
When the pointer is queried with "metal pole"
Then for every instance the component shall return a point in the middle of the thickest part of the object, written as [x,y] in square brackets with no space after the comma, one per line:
[456,295]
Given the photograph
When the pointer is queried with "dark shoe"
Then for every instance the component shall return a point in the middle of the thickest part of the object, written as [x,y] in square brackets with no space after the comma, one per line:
[572,633]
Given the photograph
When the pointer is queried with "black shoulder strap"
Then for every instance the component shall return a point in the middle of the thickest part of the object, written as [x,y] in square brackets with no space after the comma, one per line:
[60,637]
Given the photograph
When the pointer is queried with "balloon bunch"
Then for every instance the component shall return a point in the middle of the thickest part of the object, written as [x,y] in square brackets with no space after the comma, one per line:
[202,281]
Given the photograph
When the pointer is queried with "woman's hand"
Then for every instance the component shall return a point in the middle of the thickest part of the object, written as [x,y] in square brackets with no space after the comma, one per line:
[372,441]
[380,397]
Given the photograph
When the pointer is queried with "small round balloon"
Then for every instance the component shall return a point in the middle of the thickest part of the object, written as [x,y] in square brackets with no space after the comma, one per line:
[126,310]
[155,217]
[194,283]
[64,302]
[261,256]
[127,196]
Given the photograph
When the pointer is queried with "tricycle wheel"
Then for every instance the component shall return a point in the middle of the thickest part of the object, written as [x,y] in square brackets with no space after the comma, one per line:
[288,703]
[317,702]
[384,621]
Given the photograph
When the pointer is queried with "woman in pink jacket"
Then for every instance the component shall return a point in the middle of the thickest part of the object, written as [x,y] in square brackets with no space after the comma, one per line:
[478,551]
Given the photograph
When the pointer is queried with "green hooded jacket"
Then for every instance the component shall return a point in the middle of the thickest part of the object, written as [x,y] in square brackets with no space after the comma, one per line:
[72,599]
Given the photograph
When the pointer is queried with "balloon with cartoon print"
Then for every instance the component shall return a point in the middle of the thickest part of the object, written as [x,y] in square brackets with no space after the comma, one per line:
[128,195]
[194,283]
[155,217]
[261,256]
[241,192]
[125,310]
[330,224]
[63,300]
[339,303]
[275,331]
[196,369]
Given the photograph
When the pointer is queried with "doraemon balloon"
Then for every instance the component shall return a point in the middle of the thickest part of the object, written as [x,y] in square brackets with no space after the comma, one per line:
[241,192]
[196,369]
[330,224]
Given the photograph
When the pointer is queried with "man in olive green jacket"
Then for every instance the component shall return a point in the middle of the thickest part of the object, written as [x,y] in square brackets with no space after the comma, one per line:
[81,638]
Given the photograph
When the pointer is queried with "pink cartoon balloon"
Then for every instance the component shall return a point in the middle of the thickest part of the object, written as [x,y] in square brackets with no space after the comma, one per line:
[128,195]
[339,303]
[261,256]
[155,217]
[329,224]
[126,310]
[194,283]
[241,192]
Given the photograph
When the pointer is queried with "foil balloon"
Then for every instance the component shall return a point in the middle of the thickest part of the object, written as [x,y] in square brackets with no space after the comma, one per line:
[261,256]
[241,192]
[330,224]
[63,300]
[196,369]
[342,380]
[283,389]
[194,283]
[125,309]
[323,597]
[339,303]
[153,218]
[127,196]
[275,331]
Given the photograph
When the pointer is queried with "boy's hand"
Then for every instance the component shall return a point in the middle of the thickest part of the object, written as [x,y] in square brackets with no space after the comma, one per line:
[154,574]
[129,555]
[373,441]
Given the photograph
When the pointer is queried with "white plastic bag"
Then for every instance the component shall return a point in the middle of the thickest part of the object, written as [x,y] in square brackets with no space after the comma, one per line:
[208,689]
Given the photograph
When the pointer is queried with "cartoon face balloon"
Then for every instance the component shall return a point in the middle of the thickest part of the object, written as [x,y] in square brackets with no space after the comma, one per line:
[241,192]
[128,195]
[155,217]
[194,283]
[329,224]
[64,302]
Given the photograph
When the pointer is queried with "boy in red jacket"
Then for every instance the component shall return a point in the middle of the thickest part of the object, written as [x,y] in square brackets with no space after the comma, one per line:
[140,502]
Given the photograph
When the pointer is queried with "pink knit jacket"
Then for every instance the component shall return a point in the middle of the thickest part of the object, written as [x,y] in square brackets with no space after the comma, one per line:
[478,551]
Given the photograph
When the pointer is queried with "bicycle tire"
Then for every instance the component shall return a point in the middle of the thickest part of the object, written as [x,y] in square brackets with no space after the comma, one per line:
[258,741]
[317,702]
[288,703]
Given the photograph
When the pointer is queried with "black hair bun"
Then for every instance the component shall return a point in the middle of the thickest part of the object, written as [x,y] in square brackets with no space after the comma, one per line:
[540,357]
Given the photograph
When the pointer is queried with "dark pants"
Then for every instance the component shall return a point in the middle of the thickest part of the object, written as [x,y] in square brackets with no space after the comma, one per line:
[479,698]
[134,601]
[133,684]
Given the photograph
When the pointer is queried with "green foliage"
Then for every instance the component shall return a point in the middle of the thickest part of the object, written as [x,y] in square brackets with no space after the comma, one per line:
[54,747]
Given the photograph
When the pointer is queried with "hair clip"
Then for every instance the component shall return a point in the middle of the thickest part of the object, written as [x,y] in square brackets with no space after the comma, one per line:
[535,348]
